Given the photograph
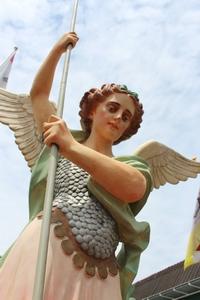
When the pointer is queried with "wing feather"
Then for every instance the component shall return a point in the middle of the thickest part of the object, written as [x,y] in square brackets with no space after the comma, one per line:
[16,112]
[166,164]
[161,177]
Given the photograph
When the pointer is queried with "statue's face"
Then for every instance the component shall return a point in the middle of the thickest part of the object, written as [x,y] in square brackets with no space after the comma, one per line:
[112,117]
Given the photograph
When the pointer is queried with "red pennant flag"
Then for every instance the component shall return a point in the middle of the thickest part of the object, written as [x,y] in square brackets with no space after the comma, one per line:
[5,68]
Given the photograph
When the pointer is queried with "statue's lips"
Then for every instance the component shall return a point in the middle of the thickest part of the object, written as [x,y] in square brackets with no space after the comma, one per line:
[113,125]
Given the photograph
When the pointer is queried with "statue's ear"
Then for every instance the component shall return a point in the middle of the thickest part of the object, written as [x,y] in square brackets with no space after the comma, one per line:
[91,115]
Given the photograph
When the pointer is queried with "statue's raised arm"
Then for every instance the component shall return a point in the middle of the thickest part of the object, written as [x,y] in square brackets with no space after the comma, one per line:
[41,88]
[24,113]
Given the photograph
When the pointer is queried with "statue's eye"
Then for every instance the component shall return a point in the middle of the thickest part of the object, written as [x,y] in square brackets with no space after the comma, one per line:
[127,116]
[112,107]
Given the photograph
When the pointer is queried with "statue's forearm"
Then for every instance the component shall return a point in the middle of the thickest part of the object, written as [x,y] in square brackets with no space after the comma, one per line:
[44,78]
[121,180]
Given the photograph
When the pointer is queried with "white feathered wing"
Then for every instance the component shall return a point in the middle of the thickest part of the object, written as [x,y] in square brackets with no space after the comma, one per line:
[16,112]
[166,164]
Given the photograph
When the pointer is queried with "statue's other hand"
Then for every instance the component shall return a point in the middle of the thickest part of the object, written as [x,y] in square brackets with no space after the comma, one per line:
[57,132]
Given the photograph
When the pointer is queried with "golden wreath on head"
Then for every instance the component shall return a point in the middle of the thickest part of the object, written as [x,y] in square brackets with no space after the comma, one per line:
[124,88]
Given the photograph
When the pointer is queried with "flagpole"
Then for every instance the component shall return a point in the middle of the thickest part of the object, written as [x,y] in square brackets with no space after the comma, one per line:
[45,228]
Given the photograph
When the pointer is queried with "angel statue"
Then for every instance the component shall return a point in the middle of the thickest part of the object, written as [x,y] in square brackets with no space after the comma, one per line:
[96,195]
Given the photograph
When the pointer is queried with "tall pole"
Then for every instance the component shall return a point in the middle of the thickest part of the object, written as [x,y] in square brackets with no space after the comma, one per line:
[45,228]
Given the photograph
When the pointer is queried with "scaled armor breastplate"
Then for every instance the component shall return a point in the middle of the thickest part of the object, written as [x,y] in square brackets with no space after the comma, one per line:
[93,228]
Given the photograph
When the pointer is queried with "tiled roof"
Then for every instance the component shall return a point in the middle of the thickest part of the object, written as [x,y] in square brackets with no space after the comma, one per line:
[166,279]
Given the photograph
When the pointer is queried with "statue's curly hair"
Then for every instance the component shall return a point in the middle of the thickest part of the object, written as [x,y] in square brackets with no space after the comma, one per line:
[94,96]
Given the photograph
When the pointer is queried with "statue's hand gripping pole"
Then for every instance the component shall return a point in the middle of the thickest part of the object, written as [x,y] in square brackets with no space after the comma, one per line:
[45,228]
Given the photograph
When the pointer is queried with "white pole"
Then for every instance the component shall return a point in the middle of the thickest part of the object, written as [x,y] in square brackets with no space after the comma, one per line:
[45,228]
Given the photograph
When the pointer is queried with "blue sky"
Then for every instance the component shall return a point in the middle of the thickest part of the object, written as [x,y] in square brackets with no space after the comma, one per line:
[152,46]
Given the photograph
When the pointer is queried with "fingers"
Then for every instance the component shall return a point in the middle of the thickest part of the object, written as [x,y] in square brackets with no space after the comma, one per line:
[47,136]
[53,128]
[56,132]
[50,134]
[67,39]
[53,118]
[74,34]
[72,39]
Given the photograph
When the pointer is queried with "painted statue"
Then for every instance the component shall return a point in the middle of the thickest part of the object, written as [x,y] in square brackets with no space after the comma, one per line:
[96,195]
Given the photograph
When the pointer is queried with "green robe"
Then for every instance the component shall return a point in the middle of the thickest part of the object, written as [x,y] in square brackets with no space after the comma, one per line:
[133,235]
